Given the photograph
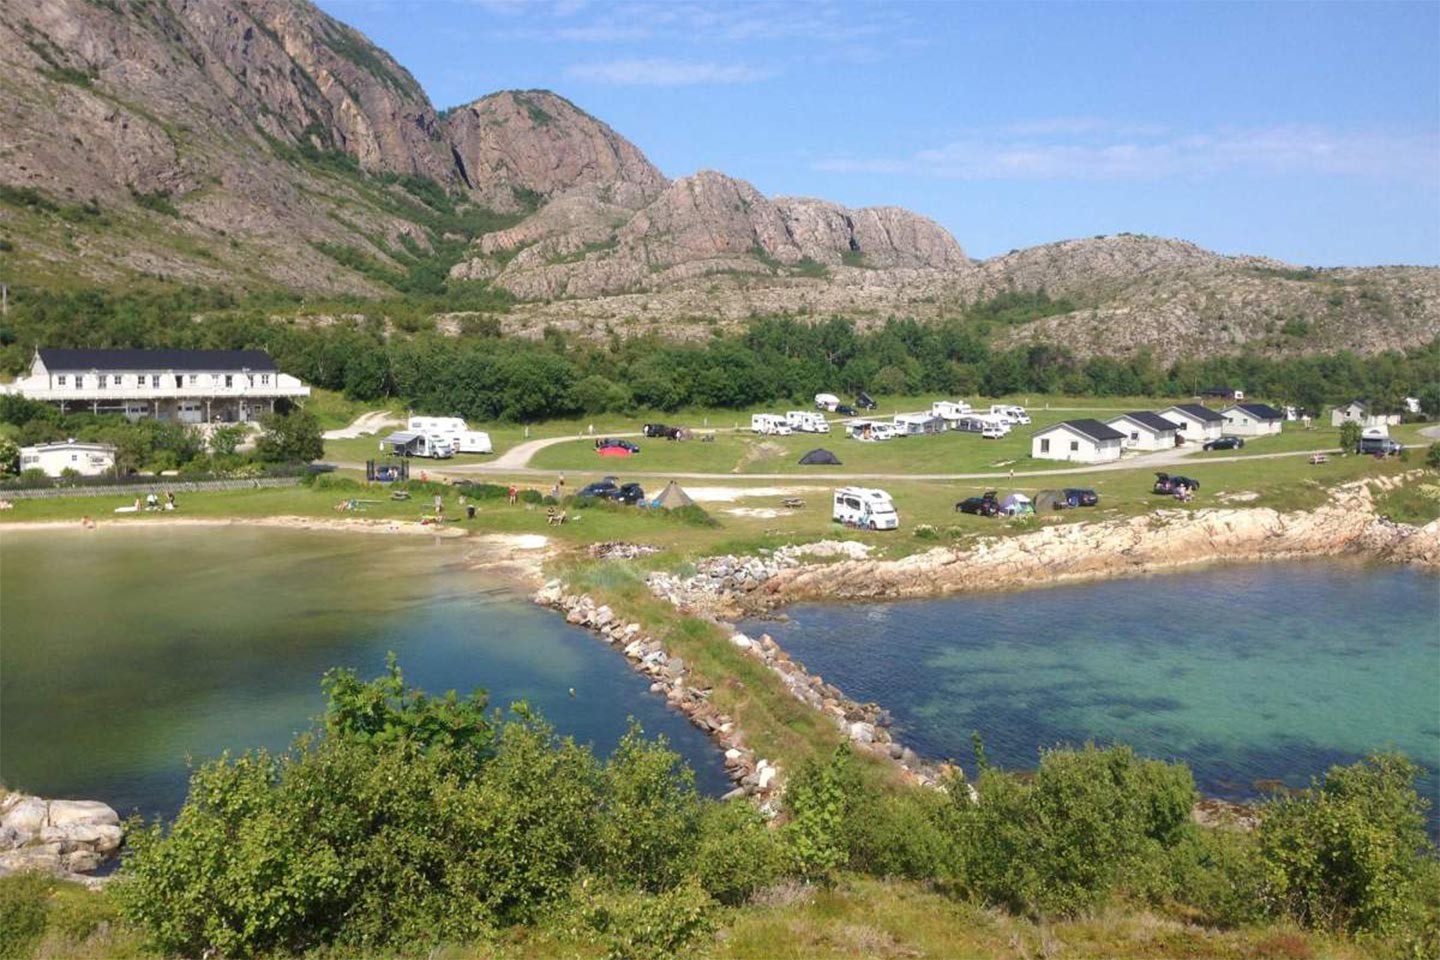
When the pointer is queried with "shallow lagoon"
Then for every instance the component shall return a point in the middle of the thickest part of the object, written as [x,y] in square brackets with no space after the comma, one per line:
[123,652]
[1247,674]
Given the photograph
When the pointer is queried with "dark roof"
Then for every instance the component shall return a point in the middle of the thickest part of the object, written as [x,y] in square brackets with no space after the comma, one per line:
[1093,429]
[1200,412]
[84,360]
[1218,392]
[1152,420]
[1261,411]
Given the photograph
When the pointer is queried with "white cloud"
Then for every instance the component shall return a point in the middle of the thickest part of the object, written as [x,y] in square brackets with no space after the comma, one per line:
[667,73]
[1092,149]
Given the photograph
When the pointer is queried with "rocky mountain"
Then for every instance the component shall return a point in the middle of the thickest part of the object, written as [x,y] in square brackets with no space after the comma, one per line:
[262,143]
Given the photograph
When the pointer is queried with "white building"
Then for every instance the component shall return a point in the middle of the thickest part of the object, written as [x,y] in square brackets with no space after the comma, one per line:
[192,386]
[1144,430]
[1252,420]
[86,459]
[1361,412]
[1083,441]
[1194,422]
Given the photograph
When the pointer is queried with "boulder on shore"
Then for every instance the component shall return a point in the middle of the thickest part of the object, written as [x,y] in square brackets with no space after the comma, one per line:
[63,837]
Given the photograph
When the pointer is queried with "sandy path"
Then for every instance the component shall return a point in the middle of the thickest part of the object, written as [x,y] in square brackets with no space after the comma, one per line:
[372,422]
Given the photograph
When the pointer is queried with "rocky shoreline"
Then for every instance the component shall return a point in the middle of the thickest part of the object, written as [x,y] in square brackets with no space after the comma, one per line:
[69,838]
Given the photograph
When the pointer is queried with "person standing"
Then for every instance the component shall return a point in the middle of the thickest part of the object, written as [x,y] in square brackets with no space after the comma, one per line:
[514,494]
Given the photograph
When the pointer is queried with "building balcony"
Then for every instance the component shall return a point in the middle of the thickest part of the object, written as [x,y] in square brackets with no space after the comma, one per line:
[90,394]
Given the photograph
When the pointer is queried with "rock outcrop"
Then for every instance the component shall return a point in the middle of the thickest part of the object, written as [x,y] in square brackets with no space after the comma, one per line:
[63,837]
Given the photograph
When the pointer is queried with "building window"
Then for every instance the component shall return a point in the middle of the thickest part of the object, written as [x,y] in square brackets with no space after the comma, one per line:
[155,380]
[1135,436]
[229,380]
[1074,446]
[79,381]
[265,378]
[194,379]
[1045,445]
[100,381]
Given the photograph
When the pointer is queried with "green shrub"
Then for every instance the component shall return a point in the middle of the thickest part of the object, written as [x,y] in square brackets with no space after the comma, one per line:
[1432,456]
[820,798]
[650,817]
[901,834]
[637,926]
[736,853]
[692,515]
[23,898]
[1350,853]
[1215,872]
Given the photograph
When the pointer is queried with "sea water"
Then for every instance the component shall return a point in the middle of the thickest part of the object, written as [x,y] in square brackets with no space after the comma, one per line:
[126,655]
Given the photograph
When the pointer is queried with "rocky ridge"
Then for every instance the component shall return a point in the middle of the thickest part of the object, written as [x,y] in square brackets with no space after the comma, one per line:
[64,837]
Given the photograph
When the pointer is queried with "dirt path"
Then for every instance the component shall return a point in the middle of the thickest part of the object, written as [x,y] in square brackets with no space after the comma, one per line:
[372,422]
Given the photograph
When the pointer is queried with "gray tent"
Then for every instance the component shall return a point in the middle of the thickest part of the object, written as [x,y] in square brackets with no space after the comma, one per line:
[1050,500]
[820,456]
[671,497]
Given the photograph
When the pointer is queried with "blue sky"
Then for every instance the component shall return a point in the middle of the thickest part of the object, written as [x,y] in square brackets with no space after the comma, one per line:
[1304,131]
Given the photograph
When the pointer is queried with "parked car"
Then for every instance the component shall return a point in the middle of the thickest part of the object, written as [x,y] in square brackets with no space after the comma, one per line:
[598,489]
[622,444]
[1224,443]
[1081,497]
[630,493]
[1167,484]
[845,410]
[655,430]
[994,431]
[984,505]
[865,402]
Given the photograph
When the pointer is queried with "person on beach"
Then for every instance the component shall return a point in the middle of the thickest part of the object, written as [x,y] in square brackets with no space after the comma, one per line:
[169,500]
[87,523]
[152,502]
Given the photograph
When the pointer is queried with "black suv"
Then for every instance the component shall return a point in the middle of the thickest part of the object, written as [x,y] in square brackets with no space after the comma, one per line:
[1165,483]
[655,430]
[600,488]
[984,506]
[845,410]
[1081,497]
[631,493]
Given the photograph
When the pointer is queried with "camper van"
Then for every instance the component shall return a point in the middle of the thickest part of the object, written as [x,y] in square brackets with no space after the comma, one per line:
[865,507]
[869,430]
[410,443]
[1011,412]
[949,410]
[806,421]
[770,423]
[457,431]
[826,401]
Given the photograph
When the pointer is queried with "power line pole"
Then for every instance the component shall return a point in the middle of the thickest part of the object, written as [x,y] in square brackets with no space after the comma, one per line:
[4,299]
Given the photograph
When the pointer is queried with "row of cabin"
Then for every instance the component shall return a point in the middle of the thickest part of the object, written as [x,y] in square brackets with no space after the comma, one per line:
[1091,441]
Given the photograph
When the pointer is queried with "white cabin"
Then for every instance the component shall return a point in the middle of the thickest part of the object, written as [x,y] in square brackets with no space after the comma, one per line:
[1363,413]
[1144,430]
[1082,441]
[1252,420]
[1194,422]
[86,459]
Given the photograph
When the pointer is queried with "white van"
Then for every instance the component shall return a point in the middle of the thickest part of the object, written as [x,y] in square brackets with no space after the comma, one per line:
[770,423]
[806,421]
[950,410]
[826,401]
[869,430]
[865,507]
[1011,412]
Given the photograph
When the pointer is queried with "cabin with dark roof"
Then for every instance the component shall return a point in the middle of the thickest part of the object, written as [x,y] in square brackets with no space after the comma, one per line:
[191,386]
[1252,420]
[1363,412]
[1081,441]
[1195,422]
[1144,430]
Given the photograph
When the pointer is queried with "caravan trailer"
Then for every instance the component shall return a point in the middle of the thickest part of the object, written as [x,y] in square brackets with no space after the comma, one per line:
[950,411]
[826,401]
[410,443]
[865,507]
[456,430]
[806,421]
[770,423]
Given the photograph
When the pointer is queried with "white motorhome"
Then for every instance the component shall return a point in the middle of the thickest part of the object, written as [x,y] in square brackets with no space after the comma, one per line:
[950,411]
[806,421]
[865,507]
[770,423]
[826,401]
[914,424]
[454,429]
[869,430]
[410,443]
[1011,412]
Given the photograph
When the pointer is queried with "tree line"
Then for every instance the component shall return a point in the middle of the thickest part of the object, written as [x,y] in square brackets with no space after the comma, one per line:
[483,376]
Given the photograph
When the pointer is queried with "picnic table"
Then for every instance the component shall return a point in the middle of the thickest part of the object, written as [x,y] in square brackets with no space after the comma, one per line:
[793,503]
[1319,458]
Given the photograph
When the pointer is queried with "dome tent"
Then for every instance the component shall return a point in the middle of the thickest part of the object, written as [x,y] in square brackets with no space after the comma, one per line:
[1016,504]
[672,497]
[820,456]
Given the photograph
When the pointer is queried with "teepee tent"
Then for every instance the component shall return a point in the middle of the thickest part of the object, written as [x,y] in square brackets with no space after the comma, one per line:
[672,496]
[820,456]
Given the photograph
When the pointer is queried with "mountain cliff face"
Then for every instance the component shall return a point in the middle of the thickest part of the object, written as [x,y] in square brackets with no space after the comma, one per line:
[261,143]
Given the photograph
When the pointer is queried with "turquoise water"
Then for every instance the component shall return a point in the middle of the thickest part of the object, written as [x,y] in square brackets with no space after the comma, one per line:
[123,652]
[1247,674]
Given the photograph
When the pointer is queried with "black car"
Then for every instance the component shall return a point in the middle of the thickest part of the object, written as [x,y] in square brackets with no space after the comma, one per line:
[1224,443]
[865,402]
[1166,483]
[600,488]
[631,493]
[845,410]
[984,506]
[622,444]
[1081,497]
[656,430]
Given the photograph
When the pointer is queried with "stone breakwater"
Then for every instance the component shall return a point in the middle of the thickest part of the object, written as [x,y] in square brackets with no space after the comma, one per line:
[865,725]
[1166,539]
[64,837]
